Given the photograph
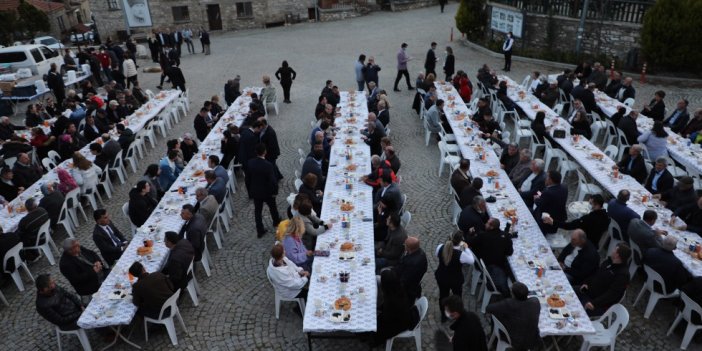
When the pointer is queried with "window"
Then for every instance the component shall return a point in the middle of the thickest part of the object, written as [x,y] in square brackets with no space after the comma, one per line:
[10,57]
[61,25]
[48,53]
[244,10]
[113,4]
[37,55]
[180,13]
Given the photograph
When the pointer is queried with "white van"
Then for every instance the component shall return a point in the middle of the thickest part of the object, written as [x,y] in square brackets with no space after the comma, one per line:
[38,58]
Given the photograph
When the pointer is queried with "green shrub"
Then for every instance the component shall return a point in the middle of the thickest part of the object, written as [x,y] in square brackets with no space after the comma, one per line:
[671,34]
[471,18]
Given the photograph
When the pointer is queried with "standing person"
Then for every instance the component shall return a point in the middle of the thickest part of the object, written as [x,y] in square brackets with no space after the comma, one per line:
[507,50]
[188,38]
[262,183]
[129,69]
[153,48]
[430,62]
[205,41]
[402,59]
[175,74]
[285,75]
[442,3]
[452,255]
[468,333]
[269,137]
[177,39]
[55,82]
[370,73]
[359,71]
[449,64]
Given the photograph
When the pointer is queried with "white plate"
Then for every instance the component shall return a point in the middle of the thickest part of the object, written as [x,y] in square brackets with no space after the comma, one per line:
[558,313]
[340,317]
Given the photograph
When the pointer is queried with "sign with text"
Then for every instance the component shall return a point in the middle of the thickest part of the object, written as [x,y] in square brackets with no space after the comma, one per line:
[505,20]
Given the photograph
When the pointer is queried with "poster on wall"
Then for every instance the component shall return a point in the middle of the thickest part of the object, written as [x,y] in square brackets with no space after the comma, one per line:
[504,20]
[137,13]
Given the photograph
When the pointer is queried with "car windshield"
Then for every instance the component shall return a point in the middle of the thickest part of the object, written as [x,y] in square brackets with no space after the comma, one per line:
[49,41]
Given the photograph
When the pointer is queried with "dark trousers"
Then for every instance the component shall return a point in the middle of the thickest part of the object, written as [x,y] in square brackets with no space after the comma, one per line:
[445,288]
[191,47]
[258,212]
[499,277]
[131,80]
[400,73]
[508,60]
[286,90]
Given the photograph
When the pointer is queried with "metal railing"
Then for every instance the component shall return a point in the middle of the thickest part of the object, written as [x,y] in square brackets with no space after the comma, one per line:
[629,11]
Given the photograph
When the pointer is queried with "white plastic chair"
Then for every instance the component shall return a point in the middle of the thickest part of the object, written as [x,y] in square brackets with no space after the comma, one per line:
[427,133]
[10,162]
[629,102]
[501,335]
[611,151]
[617,318]
[536,146]
[54,156]
[405,219]
[422,305]
[301,153]
[80,333]
[654,277]
[193,287]
[615,235]
[125,211]
[206,258]
[691,329]
[48,164]
[279,299]
[14,253]
[169,311]
[45,243]
[65,220]
[131,157]
[584,188]
[93,196]
[489,287]
[447,156]
[526,82]
[298,183]
[73,206]
[273,102]
[636,258]
[215,229]
[106,183]
[118,166]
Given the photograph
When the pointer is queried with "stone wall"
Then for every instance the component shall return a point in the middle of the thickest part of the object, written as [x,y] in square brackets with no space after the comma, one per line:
[599,37]
[403,5]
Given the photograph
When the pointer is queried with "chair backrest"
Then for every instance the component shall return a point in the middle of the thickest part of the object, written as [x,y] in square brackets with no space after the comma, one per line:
[54,156]
[298,183]
[500,331]
[486,277]
[130,150]
[652,278]
[614,230]
[611,151]
[72,198]
[636,254]
[44,233]
[149,93]
[629,102]
[47,163]
[117,163]
[170,306]
[406,219]
[10,162]
[125,210]
[558,109]
[14,254]
[422,305]
[526,81]
[689,306]
[617,318]
[581,177]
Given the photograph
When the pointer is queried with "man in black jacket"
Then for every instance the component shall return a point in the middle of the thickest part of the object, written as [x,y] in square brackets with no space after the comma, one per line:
[108,239]
[179,259]
[175,74]
[692,216]
[82,267]
[412,267]
[607,286]
[664,262]
[269,137]
[202,128]
[473,218]
[628,126]
[634,164]
[430,62]
[659,180]
[520,316]
[52,201]
[580,258]
[679,118]
[194,229]
[25,172]
[57,305]
[680,195]
[29,225]
[594,224]
[8,189]
[551,202]
[468,333]
[262,183]
[150,291]
[493,246]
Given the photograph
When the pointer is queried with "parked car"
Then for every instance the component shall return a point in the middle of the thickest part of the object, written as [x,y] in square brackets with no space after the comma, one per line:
[38,58]
[50,42]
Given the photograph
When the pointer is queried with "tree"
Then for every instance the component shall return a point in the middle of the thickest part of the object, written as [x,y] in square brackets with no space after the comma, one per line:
[31,19]
[670,35]
[8,27]
[471,18]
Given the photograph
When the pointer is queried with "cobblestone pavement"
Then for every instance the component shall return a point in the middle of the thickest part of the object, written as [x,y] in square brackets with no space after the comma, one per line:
[236,310]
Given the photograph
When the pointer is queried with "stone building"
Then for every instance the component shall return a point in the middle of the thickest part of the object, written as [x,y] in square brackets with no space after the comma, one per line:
[210,14]
[64,16]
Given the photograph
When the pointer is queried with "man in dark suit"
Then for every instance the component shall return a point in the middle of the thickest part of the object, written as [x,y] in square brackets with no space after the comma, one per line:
[579,259]
[164,40]
[567,84]
[372,137]
[614,85]
[387,201]
[659,180]
[634,164]
[641,231]
[247,145]
[628,126]
[216,186]
[269,137]
[607,286]
[551,201]
[263,187]
[473,218]
[150,291]
[25,172]
[82,267]
[194,229]
[8,241]
[493,246]
[412,267]
[383,114]
[108,239]
[679,118]
[594,224]
[8,189]
[533,182]
[430,62]
[100,159]
[691,215]
[28,227]
[179,259]
[314,164]
[619,212]
[626,90]
[588,98]
[110,147]
[460,178]
[126,136]
[664,262]
[520,316]
[57,305]
[202,128]
[177,41]
[680,195]
[175,74]
[468,333]
[470,192]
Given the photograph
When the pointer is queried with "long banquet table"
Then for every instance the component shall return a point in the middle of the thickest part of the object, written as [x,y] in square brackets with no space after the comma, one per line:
[105,310]
[135,122]
[349,160]
[530,247]
[599,166]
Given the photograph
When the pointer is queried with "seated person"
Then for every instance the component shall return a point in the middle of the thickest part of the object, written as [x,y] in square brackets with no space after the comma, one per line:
[493,246]
[295,250]
[28,227]
[389,251]
[532,183]
[520,316]
[509,157]
[473,218]
[461,177]
[395,313]
[468,333]
[664,262]
[608,285]
[411,268]
[692,216]
[470,192]
[25,173]
[682,194]
[594,223]
[57,305]
[181,255]
[150,291]
[579,259]
[8,189]
[551,201]
[82,267]
[633,164]
[108,239]
[659,180]
[287,278]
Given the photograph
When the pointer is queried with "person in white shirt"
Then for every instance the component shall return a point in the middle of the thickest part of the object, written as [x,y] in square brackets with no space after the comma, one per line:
[452,255]
[288,280]
[507,50]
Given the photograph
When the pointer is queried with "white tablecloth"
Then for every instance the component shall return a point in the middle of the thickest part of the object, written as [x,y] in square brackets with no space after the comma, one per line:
[531,245]
[135,122]
[102,311]
[325,286]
